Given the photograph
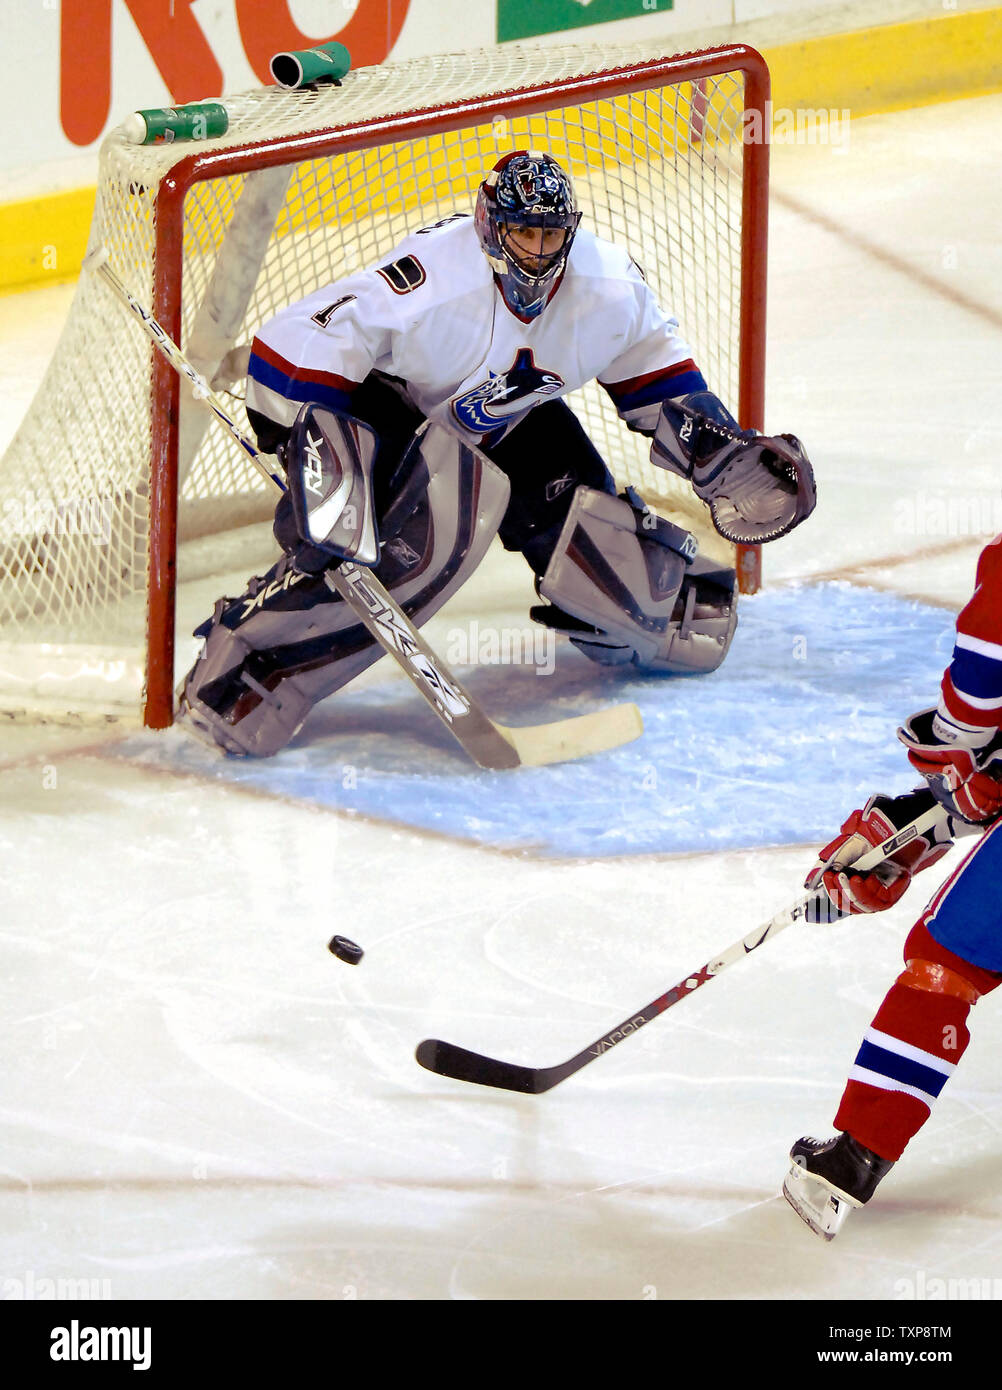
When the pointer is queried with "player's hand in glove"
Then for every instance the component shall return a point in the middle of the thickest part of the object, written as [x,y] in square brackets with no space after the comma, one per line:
[959,776]
[882,887]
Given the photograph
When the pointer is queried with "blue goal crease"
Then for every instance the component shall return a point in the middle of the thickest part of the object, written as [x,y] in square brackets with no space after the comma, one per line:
[794,730]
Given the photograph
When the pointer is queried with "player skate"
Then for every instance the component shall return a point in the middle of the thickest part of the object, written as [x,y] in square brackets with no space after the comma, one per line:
[828,1177]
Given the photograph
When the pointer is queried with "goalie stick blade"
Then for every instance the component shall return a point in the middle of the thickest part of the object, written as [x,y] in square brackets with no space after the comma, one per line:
[538,745]
[490,745]
[445,1059]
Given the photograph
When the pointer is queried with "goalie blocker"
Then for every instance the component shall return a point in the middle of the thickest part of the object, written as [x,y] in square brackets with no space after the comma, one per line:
[328,512]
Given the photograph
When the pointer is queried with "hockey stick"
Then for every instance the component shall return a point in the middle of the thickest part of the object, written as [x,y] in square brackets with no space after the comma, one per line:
[491,745]
[448,1060]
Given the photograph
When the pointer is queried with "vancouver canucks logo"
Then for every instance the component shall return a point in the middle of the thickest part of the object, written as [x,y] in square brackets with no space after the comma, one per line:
[499,397]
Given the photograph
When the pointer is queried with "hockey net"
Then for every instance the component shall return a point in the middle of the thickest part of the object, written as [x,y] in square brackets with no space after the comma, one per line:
[115,463]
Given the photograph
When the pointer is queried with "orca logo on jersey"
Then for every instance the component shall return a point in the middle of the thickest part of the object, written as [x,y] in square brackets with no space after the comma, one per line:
[499,397]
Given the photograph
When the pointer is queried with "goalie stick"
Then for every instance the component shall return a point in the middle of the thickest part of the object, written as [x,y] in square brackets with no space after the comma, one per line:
[446,1059]
[489,744]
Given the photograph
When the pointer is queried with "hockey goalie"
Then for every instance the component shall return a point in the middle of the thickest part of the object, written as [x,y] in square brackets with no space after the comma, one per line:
[432,384]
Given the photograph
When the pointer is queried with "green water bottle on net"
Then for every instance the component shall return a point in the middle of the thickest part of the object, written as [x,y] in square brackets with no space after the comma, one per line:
[199,120]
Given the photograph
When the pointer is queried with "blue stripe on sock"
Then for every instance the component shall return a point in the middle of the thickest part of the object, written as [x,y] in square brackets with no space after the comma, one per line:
[898,1068]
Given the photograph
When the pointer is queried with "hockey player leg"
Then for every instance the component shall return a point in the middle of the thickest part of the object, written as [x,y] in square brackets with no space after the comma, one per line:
[545,457]
[623,584]
[289,642]
[627,587]
[907,1055]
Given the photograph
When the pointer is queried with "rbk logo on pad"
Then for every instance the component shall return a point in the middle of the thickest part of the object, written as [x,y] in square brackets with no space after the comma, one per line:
[499,397]
[558,485]
[313,466]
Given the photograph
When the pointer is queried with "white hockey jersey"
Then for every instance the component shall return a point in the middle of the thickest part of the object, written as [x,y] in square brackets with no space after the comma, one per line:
[432,316]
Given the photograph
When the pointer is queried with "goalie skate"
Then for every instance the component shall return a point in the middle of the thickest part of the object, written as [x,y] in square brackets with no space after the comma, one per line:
[828,1177]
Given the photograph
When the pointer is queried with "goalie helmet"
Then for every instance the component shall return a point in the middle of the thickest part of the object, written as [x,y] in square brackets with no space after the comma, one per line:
[526,190]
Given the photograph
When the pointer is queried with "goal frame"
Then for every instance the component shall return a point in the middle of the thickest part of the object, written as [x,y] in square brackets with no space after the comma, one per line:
[158,698]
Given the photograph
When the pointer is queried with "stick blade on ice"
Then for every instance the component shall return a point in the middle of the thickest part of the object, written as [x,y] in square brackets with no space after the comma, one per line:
[446,1059]
[537,745]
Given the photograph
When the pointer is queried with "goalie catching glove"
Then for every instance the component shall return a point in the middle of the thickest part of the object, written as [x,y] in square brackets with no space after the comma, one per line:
[758,488]
[963,778]
[883,886]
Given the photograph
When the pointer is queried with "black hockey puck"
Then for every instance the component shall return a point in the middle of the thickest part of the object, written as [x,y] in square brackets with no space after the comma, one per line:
[345,949]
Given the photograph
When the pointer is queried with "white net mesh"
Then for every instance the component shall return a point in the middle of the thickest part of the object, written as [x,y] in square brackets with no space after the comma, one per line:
[656,170]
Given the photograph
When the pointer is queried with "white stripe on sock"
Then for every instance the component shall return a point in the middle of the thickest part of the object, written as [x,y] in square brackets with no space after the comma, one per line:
[979,645]
[913,1054]
[887,1083]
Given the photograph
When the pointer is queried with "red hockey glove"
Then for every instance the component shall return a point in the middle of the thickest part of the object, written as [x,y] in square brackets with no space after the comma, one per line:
[959,777]
[883,886]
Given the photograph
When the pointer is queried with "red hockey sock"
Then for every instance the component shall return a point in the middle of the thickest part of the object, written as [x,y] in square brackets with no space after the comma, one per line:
[912,1047]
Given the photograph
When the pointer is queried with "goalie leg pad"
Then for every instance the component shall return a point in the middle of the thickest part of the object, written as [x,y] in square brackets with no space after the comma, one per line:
[629,588]
[289,641]
[703,622]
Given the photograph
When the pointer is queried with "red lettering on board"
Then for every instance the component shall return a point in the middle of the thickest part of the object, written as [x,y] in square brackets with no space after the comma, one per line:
[176,44]
[267,28]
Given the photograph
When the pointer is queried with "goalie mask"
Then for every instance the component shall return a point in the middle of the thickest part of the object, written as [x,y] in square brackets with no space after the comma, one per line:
[526,218]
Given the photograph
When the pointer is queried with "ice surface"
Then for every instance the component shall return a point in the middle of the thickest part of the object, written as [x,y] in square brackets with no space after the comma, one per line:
[199,1102]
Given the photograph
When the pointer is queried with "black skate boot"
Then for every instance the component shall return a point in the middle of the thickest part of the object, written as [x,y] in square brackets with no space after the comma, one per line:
[829,1177]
